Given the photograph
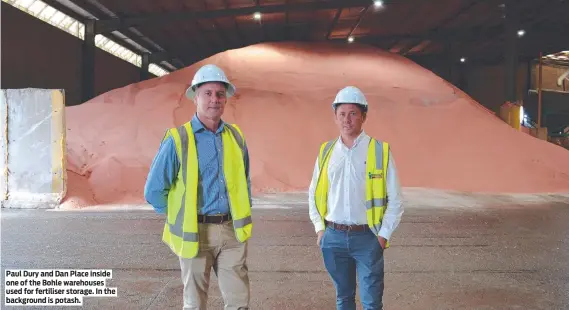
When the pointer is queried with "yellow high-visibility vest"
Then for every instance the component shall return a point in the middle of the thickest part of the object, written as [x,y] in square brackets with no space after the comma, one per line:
[181,227]
[376,185]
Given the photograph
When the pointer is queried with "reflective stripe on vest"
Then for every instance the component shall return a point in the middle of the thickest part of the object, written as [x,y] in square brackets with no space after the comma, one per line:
[181,228]
[177,227]
[376,187]
[376,194]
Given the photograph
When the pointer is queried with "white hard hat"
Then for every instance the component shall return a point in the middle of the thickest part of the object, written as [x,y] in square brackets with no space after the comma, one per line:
[209,73]
[350,94]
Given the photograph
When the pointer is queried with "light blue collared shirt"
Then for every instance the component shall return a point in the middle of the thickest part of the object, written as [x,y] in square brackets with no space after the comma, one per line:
[212,191]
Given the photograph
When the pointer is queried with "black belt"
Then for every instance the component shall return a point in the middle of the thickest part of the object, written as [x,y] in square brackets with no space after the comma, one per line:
[347,227]
[214,219]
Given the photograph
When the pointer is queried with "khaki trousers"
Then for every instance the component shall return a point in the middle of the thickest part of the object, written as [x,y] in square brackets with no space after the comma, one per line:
[220,249]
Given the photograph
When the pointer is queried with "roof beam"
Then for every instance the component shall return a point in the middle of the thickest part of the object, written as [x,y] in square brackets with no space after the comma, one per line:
[167,54]
[287,33]
[334,22]
[360,18]
[409,46]
[442,59]
[209,46]
[218,29]
[241,39]
[494,53]
[65,10]
[98,10]
[462,35]
[457,13]
[108,25]
[88,6]
[445,22]
[261,26]
[529,25]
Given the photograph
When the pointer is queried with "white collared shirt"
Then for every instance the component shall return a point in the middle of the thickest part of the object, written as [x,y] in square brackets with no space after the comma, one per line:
[346,192]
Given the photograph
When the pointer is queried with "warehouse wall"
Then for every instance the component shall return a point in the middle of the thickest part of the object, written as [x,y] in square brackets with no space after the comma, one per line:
[36,54]
[486,84]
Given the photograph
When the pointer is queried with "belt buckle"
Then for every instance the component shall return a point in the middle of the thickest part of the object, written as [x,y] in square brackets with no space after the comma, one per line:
[349,228]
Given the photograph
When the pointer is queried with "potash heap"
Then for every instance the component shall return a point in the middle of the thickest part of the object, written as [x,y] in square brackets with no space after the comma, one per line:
[440,137]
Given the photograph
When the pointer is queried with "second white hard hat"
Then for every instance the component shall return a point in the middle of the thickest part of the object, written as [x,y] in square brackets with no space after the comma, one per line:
[209,73]
[350,94]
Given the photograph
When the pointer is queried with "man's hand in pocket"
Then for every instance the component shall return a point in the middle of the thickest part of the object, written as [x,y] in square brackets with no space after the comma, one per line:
[320,234]
[382,242]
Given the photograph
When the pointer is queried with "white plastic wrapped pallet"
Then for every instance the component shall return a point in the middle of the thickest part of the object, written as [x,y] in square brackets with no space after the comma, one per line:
[33,148]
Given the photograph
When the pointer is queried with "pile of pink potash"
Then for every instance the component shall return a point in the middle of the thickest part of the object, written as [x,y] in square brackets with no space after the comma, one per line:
[441,138]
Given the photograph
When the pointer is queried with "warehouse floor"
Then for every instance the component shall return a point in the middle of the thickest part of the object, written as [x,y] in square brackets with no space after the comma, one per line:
[442,257]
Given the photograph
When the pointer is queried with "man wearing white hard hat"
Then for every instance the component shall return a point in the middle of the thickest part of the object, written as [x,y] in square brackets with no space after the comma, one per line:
[354,204]
[200,180]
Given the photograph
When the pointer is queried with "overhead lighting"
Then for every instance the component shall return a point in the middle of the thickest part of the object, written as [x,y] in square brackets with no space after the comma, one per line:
[378,3]
[257,15]
[521,33]
[463,59]
[350,39]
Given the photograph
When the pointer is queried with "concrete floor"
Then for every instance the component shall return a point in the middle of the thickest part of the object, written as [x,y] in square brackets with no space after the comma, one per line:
[503,257]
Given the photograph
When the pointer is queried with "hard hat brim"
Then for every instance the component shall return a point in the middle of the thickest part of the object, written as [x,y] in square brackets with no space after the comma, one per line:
[336,104]
[191,91]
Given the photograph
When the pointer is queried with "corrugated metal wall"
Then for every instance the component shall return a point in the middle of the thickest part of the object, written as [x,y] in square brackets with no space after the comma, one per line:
[38,55]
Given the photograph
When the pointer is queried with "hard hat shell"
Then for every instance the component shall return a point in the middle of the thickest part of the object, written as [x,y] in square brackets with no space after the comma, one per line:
[209,73]
[350,94]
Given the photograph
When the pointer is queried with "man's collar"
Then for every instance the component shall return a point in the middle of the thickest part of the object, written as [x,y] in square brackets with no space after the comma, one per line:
[197,125]
[360,137]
